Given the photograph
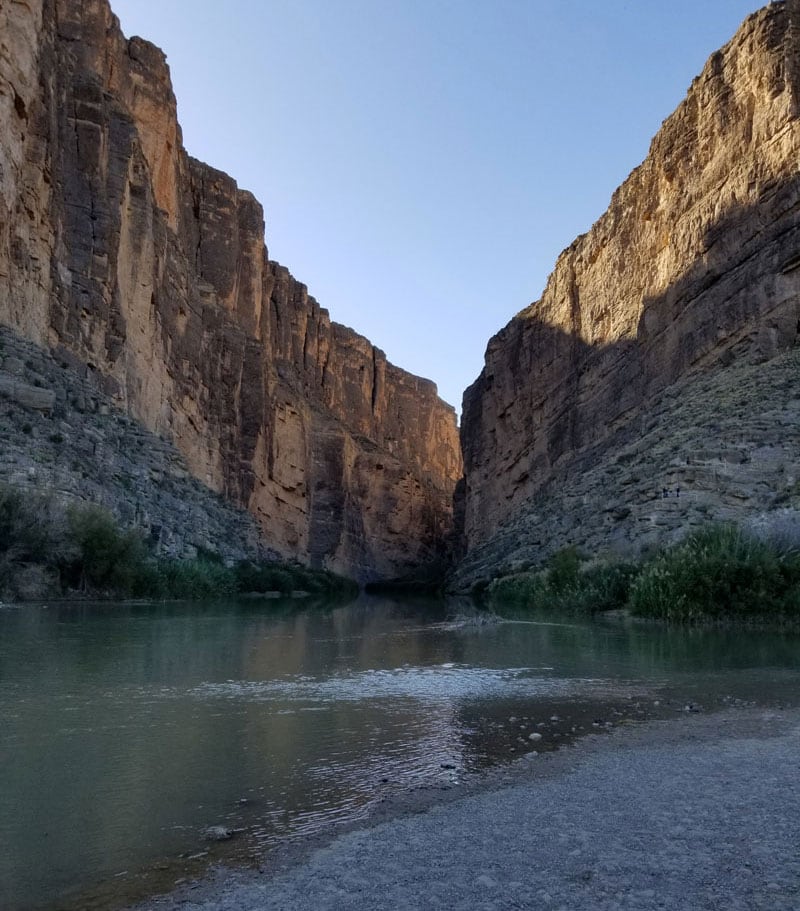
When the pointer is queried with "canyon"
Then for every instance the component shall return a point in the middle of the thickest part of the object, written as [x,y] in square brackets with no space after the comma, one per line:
[156,360]
[145,273]
[653,385]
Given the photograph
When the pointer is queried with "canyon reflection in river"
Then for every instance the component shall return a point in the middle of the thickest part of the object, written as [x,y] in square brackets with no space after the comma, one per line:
[127,731]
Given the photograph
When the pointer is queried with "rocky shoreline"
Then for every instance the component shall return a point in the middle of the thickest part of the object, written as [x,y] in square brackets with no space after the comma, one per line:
[699,811]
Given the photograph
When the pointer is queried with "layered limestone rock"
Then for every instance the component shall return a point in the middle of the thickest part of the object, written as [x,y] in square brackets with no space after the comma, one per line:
[694,267]
[60,434]
[150,267]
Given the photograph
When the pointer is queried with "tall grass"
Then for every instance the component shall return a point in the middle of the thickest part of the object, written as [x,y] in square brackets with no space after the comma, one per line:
[719,573]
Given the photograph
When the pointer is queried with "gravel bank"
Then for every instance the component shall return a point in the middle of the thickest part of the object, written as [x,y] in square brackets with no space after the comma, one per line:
[699,813]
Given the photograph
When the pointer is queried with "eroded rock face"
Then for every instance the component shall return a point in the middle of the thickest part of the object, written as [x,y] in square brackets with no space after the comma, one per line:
[695,265]
[151,267]
[60,434]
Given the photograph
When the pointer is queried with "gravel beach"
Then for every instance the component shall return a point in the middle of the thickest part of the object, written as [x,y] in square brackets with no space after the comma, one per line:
[701,812]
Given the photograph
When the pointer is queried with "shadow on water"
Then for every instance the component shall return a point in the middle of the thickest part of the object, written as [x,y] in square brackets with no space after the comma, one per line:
[154,729]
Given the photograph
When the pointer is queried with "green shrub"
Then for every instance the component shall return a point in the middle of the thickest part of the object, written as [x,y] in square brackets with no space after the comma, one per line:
[194,580]
[527,589]
[567,585]
[604,587]
[718,573]
[288,577]
[563,570]
[148,581]
[264,577]
[107,558]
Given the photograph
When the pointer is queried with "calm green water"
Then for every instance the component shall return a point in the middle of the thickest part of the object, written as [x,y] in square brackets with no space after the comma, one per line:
[126,731]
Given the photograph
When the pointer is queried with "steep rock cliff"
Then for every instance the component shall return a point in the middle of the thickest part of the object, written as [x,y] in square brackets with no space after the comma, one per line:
[692,269]
[151,268]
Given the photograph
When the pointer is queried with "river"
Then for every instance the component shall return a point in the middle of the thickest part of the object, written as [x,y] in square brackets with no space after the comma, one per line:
[133,736]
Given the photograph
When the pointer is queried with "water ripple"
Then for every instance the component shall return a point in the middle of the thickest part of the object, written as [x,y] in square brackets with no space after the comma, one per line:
[444,682]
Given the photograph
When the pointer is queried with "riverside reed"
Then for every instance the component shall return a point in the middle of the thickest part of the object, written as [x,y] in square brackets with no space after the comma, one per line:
[718,574]
[47,550]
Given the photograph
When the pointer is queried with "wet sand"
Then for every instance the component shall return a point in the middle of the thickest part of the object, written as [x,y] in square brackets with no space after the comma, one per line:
[699,812]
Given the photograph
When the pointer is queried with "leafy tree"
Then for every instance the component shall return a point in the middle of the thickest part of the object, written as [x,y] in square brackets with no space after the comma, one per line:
[107,558]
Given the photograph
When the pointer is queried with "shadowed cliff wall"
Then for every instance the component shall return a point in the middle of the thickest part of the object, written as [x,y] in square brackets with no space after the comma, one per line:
[693,267]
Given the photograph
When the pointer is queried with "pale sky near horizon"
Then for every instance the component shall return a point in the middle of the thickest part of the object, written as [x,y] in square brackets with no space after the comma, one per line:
[422,163]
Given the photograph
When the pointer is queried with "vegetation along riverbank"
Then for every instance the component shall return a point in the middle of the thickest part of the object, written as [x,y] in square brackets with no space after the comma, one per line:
[719,574]
[49,549]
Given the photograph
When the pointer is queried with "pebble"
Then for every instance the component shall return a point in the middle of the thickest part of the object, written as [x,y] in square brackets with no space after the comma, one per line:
[217,833]
[676,837]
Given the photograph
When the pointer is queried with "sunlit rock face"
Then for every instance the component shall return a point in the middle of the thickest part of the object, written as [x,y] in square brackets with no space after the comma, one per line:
[694,268]
[151,267]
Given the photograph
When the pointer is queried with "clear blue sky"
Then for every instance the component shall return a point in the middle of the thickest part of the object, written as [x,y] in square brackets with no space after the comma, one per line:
[422,163]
